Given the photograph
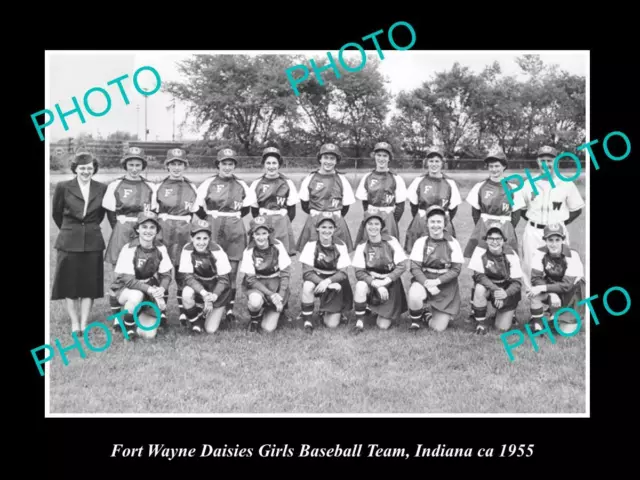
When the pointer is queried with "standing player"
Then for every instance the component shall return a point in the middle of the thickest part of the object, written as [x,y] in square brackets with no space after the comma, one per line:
[561,204]
[490,204]
[433,188]
[173,200]
[276,199]
[326,190]
[382,191]
[223,200]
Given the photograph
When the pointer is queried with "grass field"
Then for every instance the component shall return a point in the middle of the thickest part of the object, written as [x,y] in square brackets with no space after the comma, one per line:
[330,371]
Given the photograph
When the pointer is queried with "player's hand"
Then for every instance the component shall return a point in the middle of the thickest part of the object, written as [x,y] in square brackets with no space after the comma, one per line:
[537,290]
[498,303]
[322,286]
[433,290]
[434,282]
[210,297]
[276,299]
[208,307]
[152,291]
[555,300]
[279,306]
[335,286]
[384,293]
[500,294]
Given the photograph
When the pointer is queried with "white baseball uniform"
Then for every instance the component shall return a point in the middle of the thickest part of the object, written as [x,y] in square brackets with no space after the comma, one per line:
[550,205]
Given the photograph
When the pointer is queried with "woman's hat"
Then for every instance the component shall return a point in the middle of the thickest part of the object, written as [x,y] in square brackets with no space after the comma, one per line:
[83,157]
[330,148]
[368,216]
[496,154]
[385,147]
[435,152]
[553,229]
[435,209]
[147,216]
[547,151]
[259,222]
[199,225]
[134,153]
[495,226]
[321,219]
[272,152]
[176,154]
[226,154]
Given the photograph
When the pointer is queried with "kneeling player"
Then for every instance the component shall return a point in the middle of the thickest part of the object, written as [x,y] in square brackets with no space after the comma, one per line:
[206,270]
[436,262]
[380,262]
[142,274]
[266,266]
[324,263]
[497,276]
[557,275]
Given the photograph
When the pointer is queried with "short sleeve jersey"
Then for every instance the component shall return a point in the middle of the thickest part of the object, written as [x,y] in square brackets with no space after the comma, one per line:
[129,197]
[438,254]
[265,262]
[490,197]
[274,193]
[426,191]
[204,265]
[382,189]
[326,193]
[497,267]
[228,194]
[174,197]
[381,257]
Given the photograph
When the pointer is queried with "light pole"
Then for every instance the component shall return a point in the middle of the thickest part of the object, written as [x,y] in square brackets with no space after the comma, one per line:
[146,131]
[138,121]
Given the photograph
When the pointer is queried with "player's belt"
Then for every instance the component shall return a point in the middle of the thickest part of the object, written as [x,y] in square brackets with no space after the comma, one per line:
[373,209]
[123,219]
[218,213]
[273,275]
[499,218]
[422,212]
[265,211]
[436,270]
[206,279]
[315,213]
[325,272]
[536,225]
[166,216]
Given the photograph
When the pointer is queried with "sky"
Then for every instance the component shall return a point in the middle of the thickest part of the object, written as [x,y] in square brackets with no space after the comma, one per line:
[72,74]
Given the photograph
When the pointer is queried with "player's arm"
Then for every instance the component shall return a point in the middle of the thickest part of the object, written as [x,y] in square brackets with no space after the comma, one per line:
[285,277]
[452,213]
[457,260]
[309,274]
[523,214]
[573,216]
[221,285]
[475,214]
[359,266]
[399,211]
[345,210]
[482,279]
[515,218]
[414,209]
[255,211]
[291,212]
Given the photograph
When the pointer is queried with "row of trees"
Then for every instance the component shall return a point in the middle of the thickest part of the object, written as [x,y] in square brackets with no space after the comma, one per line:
[247,102]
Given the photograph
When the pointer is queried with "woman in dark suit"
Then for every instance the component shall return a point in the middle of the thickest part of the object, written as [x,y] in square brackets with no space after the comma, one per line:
[78,212]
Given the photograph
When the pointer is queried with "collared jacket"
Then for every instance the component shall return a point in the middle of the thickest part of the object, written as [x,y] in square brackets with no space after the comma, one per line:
[78,232]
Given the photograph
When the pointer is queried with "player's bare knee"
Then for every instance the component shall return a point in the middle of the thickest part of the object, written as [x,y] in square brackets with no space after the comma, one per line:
[383,323]
[536,301]
[307,291]
[417,294]
[479,295]
[361,290]
[188,297]
[254,301]
[331,320]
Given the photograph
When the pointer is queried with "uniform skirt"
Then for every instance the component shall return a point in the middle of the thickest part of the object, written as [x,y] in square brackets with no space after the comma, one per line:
[332,301]
[447,300]
[511,302]
[231,234]
[418,228]
[175,234]
[309,232]
[122,234]
[390,227]
[222,300]
[78,275]
[480,231]
[272,284]
[395,305]
[282,231]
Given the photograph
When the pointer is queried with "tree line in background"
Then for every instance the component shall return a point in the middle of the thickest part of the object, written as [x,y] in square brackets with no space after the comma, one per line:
[245,102]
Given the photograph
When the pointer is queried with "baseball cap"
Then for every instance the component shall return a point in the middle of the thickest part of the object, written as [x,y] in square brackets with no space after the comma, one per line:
[226,154]
[176,154]
[199,225]
[495,226]
[147,216]
[496,154]
[547,151]
[433,209]
[330,148]
[553,229]
[259,222]
[384,146]
[368,216]
[321,219]
[435,151]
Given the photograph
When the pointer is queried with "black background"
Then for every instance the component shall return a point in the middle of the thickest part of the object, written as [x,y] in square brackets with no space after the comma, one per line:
[564,445]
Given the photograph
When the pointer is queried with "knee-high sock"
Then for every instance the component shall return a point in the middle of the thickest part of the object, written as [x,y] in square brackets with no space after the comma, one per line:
[360,310]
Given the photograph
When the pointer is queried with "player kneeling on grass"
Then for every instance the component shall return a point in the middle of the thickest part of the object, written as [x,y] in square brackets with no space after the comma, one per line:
[497,276]
[436,262]
[206,270]
[557,280]
[324,272]
[380,261]
[142,274]
[266,266]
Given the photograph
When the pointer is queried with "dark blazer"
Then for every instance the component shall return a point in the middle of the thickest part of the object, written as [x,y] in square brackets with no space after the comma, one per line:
[78,233]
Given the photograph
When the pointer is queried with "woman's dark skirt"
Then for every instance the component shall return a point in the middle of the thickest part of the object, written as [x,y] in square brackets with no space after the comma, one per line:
[78,275]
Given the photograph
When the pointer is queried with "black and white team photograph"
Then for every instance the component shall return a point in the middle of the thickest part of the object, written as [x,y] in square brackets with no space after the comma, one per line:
[347,247]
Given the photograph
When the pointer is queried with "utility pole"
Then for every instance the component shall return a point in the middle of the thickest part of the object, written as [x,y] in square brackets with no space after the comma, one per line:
[138,121]
[173,136]
[146,131]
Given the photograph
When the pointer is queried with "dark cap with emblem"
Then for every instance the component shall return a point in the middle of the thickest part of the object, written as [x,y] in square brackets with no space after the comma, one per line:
[259,222]
[496,154]
[330,148]
[369,215]
[384,147]
[176,154]
[328,218]
[134,153]
[271,152]
[147,216]
[547,151]
[553,229]
[435,210]
[199,225]
[435,151]
[226,154]
[495,226]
